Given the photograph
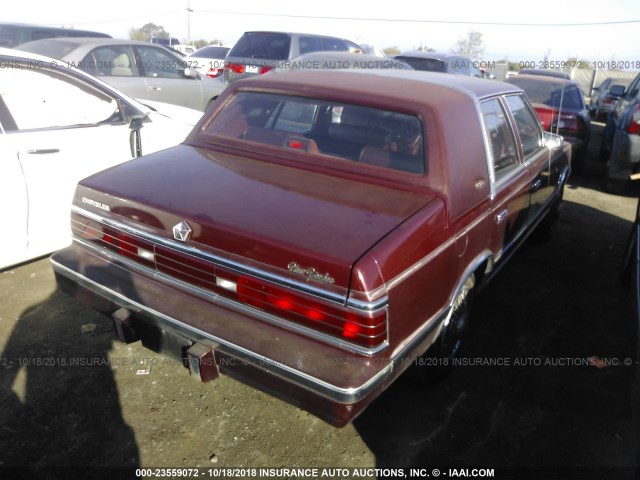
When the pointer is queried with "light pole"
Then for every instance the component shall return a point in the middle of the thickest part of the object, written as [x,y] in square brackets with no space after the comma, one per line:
[189,10]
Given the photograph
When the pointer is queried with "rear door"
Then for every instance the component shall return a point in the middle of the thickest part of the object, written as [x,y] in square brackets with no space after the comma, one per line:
[510,179]
[165,78]
[537,158]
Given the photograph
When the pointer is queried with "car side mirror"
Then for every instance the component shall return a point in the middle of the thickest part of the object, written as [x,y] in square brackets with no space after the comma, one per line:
[617,90]
[190,73]
[552,141]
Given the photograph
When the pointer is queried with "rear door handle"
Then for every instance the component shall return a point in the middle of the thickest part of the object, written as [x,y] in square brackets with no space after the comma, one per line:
[155,89]
[501,216]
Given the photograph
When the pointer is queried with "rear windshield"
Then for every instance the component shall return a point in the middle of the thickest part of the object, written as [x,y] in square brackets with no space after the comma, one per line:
[550,93]
[313,127]
[219,53]
[322,44]
[53,49]
[425,64]
[272,46]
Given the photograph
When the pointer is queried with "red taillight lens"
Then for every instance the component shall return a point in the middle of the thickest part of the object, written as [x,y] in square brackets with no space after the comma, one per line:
[569,123]
[251,292]
[129,246]
[634,124]
[234,67]
[368,329]
[265,69]
[188,268]
[215,72]
[546,116]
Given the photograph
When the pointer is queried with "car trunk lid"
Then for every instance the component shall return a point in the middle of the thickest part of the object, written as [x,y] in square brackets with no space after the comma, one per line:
[287,221]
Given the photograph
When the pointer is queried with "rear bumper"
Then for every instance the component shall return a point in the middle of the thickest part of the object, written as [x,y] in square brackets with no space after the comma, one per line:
[329,382]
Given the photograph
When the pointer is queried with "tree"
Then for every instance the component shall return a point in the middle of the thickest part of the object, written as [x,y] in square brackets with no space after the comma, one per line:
[149,31]
[471,46]
[423,48]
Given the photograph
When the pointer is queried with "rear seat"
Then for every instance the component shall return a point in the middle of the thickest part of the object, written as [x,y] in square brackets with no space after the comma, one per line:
[352,134]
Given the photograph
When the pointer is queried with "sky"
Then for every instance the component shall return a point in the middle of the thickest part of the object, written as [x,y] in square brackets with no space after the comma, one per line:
[517,31]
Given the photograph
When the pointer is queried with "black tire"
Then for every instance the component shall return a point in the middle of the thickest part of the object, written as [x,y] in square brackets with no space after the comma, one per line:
[438,361]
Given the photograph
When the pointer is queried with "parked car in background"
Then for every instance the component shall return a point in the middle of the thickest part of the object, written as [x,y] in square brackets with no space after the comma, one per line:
[140,69]
[165,42]
[601,100]
[14,34]
[440,62]
[320,230]
[371,49]
[620,146]
[259,52]
[545,73]
[209,60]
[338,60]
[560,106]
[185,50]
[58,125]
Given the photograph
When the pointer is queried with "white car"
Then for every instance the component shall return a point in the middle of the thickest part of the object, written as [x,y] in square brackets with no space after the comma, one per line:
[209,60]
[139,69]
[57,126]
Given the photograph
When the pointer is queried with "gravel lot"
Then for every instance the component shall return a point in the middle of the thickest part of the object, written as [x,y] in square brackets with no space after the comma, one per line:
[72,395]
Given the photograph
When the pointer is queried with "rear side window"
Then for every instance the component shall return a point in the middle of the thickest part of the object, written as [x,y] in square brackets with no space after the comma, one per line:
[115,60]
[370,136]
[501,141]
[155,62]
[526,123]
[272,46]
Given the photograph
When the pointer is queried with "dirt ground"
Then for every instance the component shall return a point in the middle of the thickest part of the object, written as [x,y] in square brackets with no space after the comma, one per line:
[555,324]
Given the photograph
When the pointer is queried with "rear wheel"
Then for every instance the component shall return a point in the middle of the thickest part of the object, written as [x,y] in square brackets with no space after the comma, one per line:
[438,360]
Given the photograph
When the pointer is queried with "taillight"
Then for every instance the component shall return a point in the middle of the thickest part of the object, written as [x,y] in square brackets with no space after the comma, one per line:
[634,125]
[129,246]
[215,72]
[265,69]
[546,116]
[568,123]
[234,67]
[365,328]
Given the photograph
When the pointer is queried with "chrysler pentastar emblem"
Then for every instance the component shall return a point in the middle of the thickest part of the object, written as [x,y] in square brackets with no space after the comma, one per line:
[182,231]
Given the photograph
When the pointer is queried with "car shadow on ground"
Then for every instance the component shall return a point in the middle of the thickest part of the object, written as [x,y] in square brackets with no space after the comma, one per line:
[546,375]
[60,405]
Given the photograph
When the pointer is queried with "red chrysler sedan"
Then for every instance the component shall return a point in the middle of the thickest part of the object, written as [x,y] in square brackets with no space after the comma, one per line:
[318,231]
